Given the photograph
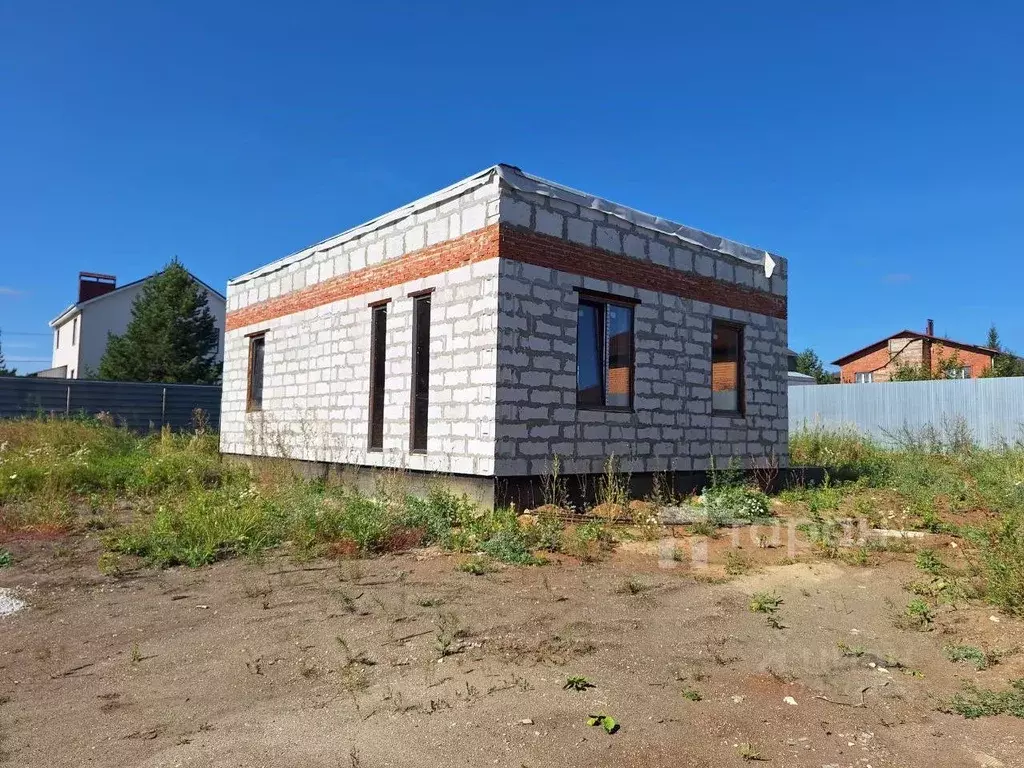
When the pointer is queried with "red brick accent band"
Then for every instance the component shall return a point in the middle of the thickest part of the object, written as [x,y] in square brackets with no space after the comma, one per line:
[518,245]
[471,248]
[554,253]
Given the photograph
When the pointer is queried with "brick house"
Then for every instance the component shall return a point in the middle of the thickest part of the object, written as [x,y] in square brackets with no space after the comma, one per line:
[486,328]
[878,361]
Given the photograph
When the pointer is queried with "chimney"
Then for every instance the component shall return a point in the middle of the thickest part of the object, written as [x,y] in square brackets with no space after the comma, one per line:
[93,284]
[930,327]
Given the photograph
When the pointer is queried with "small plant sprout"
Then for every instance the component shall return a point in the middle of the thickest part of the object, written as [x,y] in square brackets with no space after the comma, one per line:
[855,651]
[606,722]
[577,683]
[765,602]
[920,614]
[768,603]
[691,694]
[478,565]
[136,653]
[448,631]
[928,562]
[749,752]
[5,558]
[634,586]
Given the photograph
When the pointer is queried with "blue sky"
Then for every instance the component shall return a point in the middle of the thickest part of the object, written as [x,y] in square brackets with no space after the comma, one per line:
[879,148]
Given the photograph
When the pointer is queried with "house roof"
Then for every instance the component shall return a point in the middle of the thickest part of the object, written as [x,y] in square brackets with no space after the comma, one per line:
[515,178]
[70,312]
[917,335]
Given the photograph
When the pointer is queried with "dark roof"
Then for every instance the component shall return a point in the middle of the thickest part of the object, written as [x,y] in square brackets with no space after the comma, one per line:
[917,335]
[102,296]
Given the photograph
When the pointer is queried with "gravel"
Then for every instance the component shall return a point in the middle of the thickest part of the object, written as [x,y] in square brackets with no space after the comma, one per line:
[9,603]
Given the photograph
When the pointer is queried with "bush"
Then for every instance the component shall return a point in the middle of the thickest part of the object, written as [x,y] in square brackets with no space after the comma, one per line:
[732,502]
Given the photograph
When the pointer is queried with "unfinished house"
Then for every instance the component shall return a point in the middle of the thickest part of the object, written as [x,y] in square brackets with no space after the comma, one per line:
[487,328]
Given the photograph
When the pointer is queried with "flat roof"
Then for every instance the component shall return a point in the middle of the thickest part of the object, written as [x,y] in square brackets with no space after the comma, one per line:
[515,178]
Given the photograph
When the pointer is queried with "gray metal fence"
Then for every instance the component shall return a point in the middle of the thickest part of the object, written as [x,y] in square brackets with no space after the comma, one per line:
[137,406]
[992,409]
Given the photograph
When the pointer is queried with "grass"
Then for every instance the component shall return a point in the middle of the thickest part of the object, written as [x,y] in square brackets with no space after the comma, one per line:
[974,702]
[933,475]
[190,507]
[969,654]
[5,558]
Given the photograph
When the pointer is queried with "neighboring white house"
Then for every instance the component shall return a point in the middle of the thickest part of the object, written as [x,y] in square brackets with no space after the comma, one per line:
[80,331]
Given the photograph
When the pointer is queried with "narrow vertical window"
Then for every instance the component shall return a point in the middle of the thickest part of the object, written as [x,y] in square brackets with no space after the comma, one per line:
[74,332]
[620,356]
[57,337]
[378,352]
[254,398]
[589,364]
[726,368]
[604,354]
[420,371]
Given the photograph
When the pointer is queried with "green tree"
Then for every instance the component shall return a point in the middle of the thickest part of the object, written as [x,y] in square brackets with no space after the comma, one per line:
[171,337]
[808,362]
[4,370]
[947,368]
[1005,363]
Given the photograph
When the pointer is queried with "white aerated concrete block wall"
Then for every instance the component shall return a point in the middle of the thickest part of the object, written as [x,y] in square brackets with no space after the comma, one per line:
[317,360]
[672,426]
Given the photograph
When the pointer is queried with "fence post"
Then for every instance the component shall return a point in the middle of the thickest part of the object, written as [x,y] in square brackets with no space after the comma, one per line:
[67,402]
[163,409]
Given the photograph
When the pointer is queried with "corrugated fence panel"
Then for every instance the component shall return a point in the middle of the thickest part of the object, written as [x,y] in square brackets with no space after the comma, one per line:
[138,406]
[993,409]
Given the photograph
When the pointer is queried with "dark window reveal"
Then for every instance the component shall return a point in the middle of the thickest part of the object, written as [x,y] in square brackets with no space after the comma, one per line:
[726,368]
[420,371]
[378,352]
[254,399]
[604,354]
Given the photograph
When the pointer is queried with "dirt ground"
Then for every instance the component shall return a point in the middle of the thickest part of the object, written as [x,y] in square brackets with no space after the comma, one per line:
[328,663]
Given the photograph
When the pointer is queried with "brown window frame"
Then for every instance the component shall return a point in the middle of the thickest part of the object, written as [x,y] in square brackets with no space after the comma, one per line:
[741,364]
[601,301]
[378,375]
[258,338]
[420,401]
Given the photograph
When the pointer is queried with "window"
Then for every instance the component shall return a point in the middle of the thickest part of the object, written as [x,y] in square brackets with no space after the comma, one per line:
[961,373]
[420,371]
[864,378]
[74,332]
[378,351]
[726,368]
[254,397]
[604,353]
[57,337]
